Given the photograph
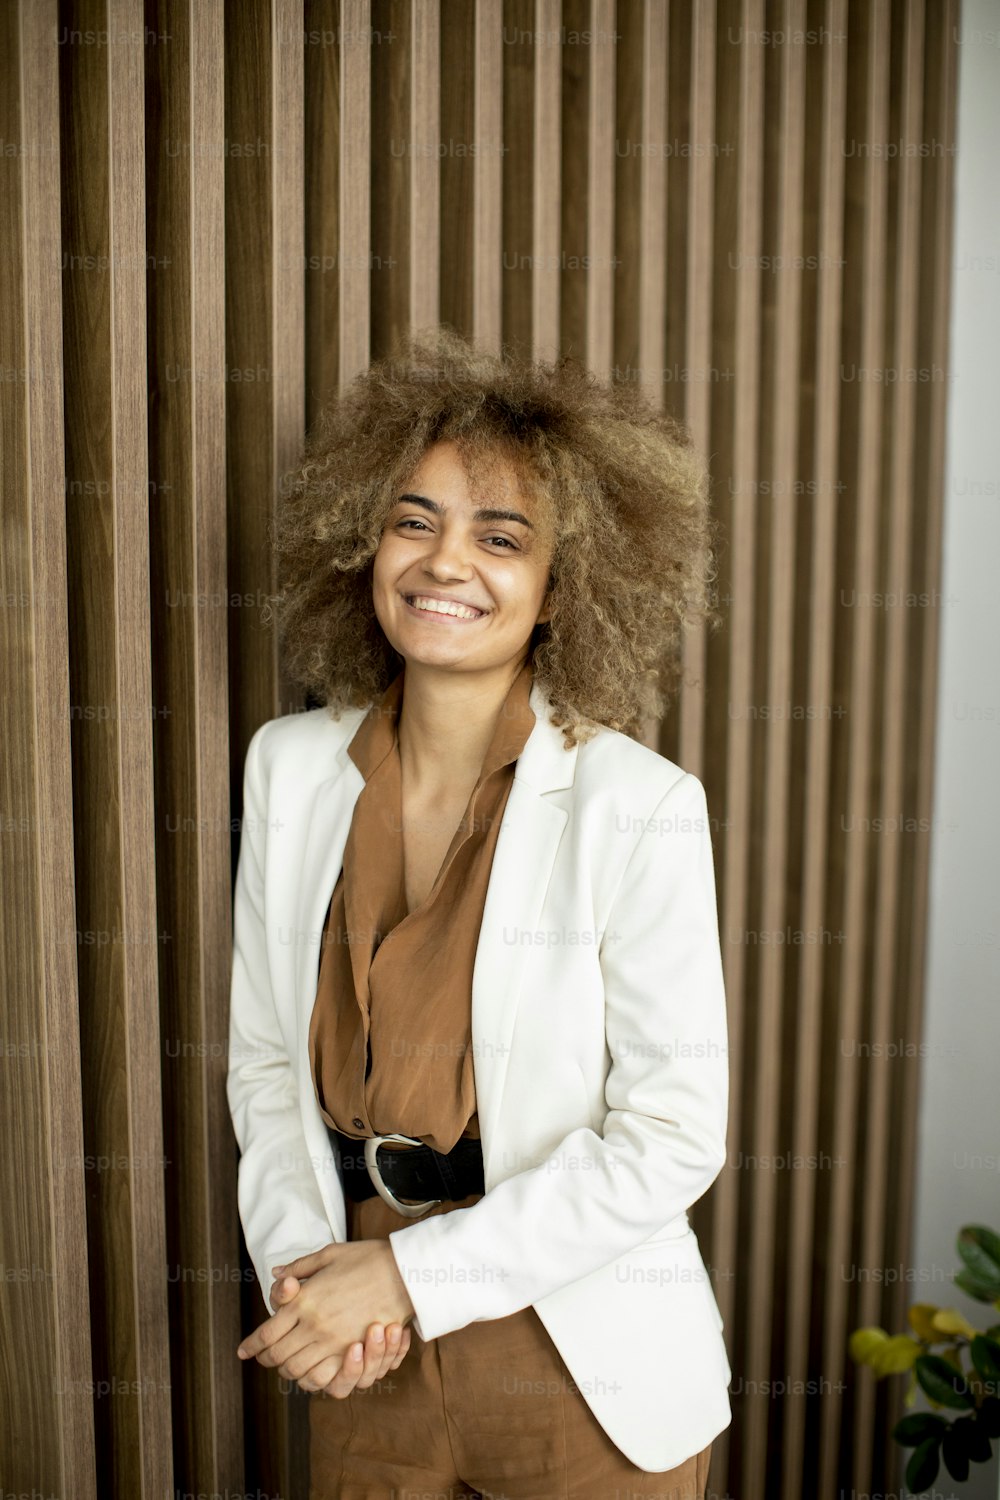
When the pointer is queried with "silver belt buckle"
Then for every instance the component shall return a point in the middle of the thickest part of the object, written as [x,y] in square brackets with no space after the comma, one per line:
[372,1143]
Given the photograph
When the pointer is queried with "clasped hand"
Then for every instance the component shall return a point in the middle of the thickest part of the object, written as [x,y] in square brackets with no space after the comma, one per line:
[311,1337]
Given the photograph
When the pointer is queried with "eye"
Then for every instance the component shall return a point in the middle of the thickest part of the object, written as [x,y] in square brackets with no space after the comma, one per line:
[415,521]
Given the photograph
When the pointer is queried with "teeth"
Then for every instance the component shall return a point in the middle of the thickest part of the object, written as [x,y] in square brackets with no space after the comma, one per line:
[444,607]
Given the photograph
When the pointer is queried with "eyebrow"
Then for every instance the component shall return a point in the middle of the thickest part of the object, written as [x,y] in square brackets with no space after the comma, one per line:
[483,514]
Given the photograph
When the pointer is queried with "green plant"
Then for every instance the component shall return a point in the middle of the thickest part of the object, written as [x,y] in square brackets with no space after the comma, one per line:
[973,1390]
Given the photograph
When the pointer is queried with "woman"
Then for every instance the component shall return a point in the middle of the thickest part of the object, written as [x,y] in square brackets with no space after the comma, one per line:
[474,915]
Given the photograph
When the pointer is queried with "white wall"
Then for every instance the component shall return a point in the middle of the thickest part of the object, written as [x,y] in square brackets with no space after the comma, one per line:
[960,1107]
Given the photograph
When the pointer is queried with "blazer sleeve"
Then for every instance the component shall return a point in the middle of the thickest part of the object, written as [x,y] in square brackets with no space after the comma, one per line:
[280,1206]
[664,1137]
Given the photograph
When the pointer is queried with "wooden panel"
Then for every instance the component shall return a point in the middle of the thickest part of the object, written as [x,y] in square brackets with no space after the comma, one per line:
[768,989]
[822,210]
[729,656]
[47,1414]
[265,386]
[469,144]
[852,772]
[405,169]
[685,196]
[531,176]
[186,380]
[876,1161]
[937,89]
[265,422]
[104,297]
[338,264]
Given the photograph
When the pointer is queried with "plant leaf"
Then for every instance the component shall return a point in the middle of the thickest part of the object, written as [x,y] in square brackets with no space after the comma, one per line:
[955,1450]
[920,1318]
[911,1431]
[988,1416]
[979,1247]
[979,1442]
[950,1320]
[922,1469]
[986,1358]
[982,1291]
[943,1383]
[895,1355]
[864,1342]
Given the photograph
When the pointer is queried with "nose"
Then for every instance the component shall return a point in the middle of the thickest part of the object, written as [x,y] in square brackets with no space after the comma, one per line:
[448,557]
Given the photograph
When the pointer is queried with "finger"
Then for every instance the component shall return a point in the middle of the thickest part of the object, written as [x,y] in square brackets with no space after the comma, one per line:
[393,1339]
[374,1356]
[302,1363]
[403,1349]
[283,1291]
[319,1377]
[269,1332]
[307,1265]
[293,1335]
[346,1378]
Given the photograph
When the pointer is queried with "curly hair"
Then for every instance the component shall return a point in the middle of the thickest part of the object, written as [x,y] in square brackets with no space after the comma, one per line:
[622,497]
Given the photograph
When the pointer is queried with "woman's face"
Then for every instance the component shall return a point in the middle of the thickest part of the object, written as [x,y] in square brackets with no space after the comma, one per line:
[487,551]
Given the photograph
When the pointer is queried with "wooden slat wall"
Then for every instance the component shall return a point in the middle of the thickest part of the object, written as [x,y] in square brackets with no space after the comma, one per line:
[112,712]
[47,1414]
[249,201]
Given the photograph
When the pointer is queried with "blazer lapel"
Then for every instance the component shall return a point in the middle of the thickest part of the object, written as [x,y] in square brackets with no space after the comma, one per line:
[526,846]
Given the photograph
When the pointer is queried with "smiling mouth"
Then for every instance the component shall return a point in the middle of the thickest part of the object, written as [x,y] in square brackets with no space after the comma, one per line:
[440,609]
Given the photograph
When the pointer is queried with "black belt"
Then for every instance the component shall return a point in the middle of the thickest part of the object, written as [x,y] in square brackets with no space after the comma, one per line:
[413,1172]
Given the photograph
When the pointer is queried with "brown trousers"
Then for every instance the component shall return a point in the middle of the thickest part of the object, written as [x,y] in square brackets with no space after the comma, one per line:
[489,1410]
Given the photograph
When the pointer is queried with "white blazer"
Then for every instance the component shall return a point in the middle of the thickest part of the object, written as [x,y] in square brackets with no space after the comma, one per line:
[600,1061]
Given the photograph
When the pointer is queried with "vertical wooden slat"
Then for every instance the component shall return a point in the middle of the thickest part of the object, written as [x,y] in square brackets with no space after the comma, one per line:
[600,189]
[772,688]
[338,265]
[729,655]
[547,184]
[325,256]
[111,705]
[520,64]
[531,178]
[697,355]
[933,294]
[640,209]
[47,1414]
[187,392]
[452,144]
[287,187]
[823,215]
[405,168]
[574,99]
[471,154]
[353,245]
[488,169]
[265,422]
[900,355]
[652,194]
[424,206]
[641,152]
[860,459]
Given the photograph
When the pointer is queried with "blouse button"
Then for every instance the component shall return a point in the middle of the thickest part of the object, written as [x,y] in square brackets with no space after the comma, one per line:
[359,1122]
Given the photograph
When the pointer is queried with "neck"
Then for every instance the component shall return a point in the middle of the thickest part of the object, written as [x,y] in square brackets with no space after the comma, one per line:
[446,722]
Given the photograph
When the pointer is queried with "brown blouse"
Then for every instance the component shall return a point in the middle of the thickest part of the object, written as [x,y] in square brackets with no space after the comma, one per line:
[390,1032]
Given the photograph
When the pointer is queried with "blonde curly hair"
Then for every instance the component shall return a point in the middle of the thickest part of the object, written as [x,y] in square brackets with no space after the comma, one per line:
[622,497]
